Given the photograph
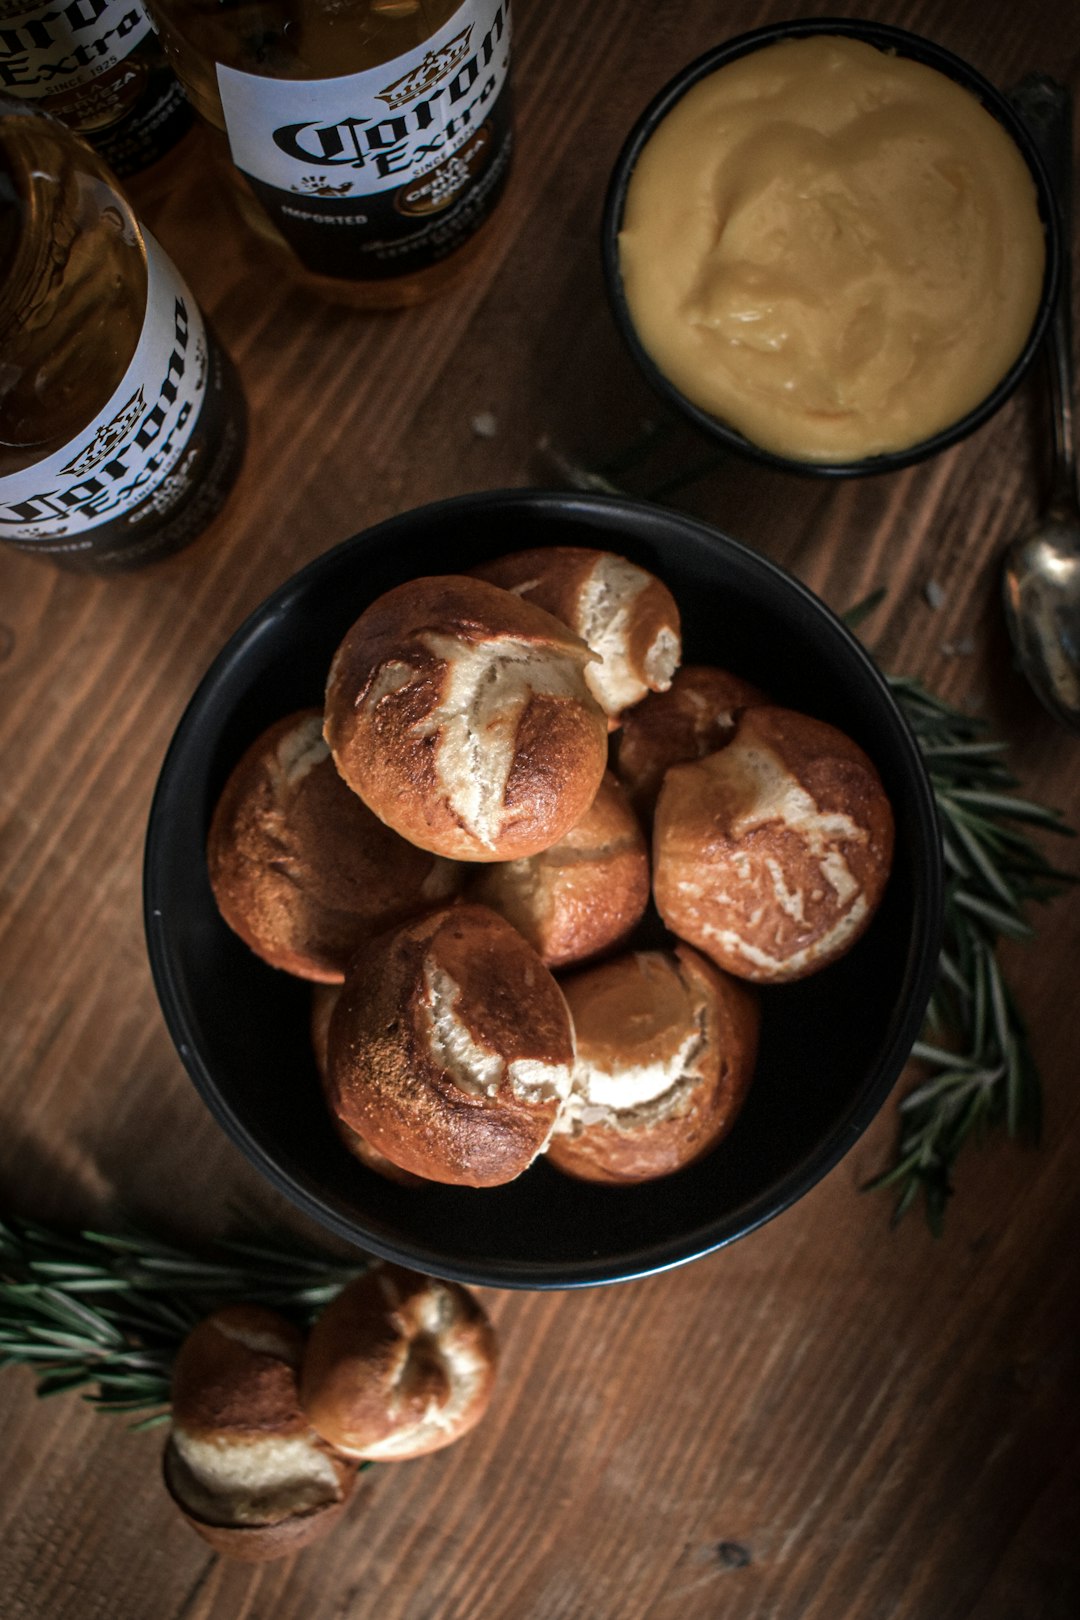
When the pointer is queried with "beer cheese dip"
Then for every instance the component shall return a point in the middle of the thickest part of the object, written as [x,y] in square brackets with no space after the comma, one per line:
[833,250]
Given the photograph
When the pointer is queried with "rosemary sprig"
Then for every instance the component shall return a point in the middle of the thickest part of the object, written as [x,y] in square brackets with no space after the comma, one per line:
[106,1313]
[978,1069]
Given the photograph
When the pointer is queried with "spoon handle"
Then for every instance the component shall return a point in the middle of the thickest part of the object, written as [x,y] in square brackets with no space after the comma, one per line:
[1046,109]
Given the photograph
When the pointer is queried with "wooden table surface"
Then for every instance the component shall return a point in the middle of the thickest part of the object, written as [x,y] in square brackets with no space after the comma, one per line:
[830,1420]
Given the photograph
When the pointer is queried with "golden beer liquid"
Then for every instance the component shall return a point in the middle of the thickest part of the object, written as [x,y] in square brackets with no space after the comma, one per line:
[72,290]
[303,39]
[74,284]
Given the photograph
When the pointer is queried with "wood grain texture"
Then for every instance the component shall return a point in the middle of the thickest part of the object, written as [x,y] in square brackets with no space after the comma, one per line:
[830,1420]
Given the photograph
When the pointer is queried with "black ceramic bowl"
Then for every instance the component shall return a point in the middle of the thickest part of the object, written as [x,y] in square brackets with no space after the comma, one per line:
[886,38]
[832,1044]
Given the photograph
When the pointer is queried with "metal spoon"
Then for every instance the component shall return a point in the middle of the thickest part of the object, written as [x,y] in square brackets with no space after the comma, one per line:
[1042,568]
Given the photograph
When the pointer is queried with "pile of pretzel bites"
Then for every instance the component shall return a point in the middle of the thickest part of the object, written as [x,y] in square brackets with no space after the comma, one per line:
[269,1425]
[459,847]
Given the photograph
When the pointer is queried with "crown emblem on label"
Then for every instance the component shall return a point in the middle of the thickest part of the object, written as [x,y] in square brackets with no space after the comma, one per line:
[109,436]
[425,75]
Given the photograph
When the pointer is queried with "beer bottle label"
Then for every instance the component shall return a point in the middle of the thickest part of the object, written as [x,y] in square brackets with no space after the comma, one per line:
[133,459]
[97,66]
[49,50]
[381,172]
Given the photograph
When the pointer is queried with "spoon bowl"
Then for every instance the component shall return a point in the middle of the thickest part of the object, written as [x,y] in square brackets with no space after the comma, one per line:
[1042,609]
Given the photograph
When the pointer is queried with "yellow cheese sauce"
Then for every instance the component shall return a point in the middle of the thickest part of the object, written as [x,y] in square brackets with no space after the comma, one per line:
[833,250]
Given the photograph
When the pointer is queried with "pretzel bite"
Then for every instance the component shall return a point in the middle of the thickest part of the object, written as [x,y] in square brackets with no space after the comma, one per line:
[772,855]
[694,717]
[582,895]
[623,613]
[242,1461]
[450,1048]
[398,1365]
[300,868]
[460,715]
[666,1045]
[323,1001]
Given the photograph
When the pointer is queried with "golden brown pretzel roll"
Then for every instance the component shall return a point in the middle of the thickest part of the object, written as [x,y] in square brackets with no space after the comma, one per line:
[771,856]
[300,868]
[398,1365]
[582,895]
[622,612]
[450,1048]
[666,1045]
[242,1462]
[323,1001]
[460,715]
[694,717]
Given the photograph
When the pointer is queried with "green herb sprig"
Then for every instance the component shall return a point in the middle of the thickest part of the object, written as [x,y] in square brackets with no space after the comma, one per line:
[979,1071]
[106,1313]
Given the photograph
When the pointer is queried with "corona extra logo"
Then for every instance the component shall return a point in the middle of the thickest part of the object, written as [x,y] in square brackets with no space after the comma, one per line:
[109,436]
[436,66]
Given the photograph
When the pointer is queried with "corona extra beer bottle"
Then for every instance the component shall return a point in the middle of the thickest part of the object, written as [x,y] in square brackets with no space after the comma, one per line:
[371,138]
[121,419]
[98,66]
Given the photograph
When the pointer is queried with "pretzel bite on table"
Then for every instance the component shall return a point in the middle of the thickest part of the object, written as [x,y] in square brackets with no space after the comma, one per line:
[398,1365]
[666,1045]
[585,893]
[694,717]
[459,713]
[242,1461]
[299,867]
[450,1048]
[625,615]
[772,855]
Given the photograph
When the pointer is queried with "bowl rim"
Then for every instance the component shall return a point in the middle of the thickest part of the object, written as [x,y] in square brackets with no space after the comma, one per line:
[887,37]
[779,1194]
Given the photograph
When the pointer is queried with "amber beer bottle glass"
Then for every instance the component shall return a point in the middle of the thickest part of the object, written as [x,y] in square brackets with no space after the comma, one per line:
[372,138]
[121,419]
[99,67]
